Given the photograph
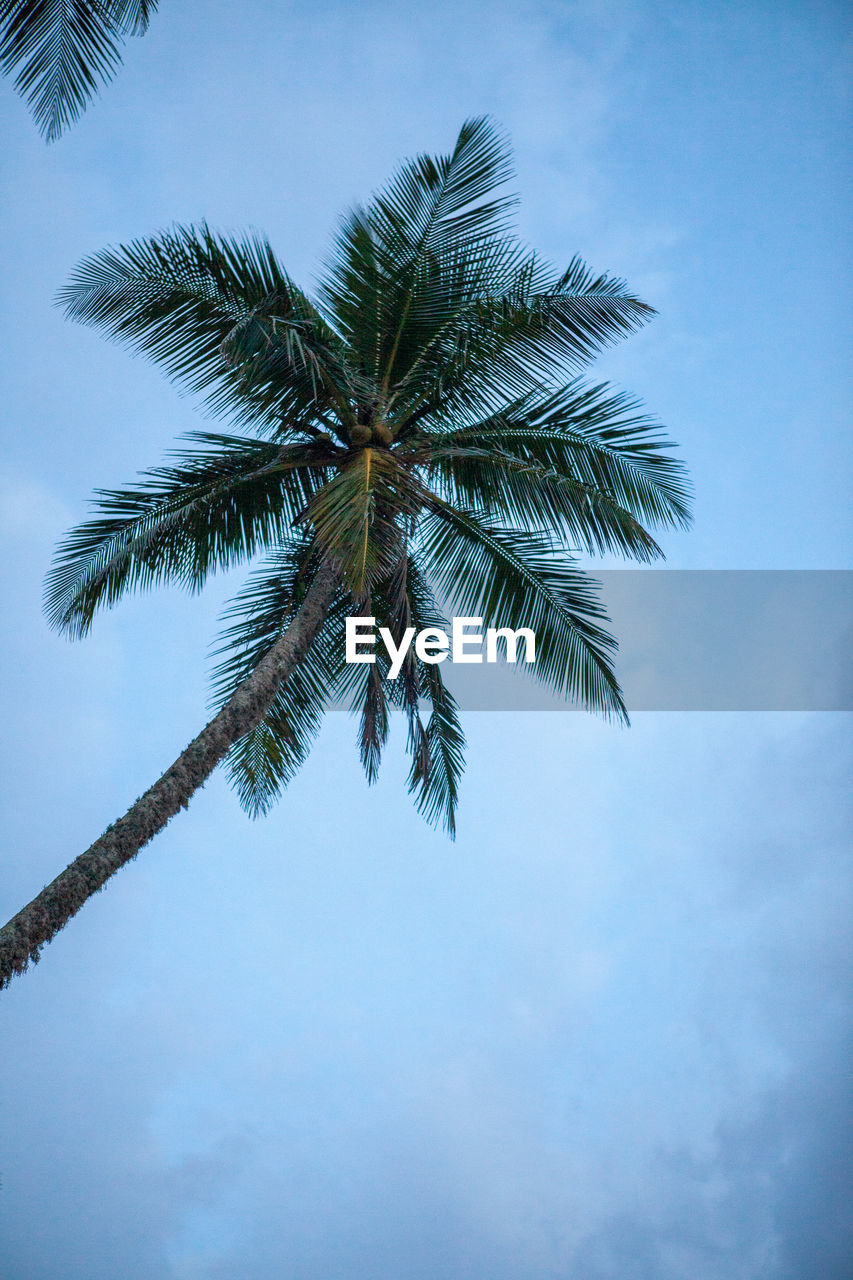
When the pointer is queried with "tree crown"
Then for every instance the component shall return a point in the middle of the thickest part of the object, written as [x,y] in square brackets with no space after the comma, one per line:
[421,423]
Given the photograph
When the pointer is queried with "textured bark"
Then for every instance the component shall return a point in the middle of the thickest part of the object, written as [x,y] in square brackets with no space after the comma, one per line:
[27,932]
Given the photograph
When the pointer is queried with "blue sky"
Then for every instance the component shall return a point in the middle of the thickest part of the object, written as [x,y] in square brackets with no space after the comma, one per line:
[604,1035]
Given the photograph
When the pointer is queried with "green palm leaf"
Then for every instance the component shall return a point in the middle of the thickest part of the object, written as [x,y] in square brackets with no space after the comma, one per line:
[222,317]
[538,497]
[515,578]
[182,522]
[60,51]
[508,344]
[591,434]
[439,758]
[438,750]
[262,762]
[385,251]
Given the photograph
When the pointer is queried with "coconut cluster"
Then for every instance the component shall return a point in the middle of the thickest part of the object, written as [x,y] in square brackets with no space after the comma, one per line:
[375,433]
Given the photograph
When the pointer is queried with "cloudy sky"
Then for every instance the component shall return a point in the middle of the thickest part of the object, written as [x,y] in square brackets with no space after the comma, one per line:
[604,1035]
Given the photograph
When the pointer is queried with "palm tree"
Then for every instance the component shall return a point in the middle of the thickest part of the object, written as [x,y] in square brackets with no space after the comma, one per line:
[61,49]
[415,439]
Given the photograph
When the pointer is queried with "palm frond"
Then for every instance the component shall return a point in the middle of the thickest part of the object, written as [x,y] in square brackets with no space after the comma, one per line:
[592,434]
[386,251]
[180,523]
[374,721]
[496,347]
[537,497]
[133,16]
[222,317]
[356,516]
[438,750]
[515,578]
[439,759]
[263,762]
[61,51]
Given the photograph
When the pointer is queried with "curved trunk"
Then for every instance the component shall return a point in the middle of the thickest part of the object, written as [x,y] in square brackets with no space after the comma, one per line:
[27,932]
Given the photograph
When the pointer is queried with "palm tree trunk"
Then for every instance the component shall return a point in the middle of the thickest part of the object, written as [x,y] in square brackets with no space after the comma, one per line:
[27,932]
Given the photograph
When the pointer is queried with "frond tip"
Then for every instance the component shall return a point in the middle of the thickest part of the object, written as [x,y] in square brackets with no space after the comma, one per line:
[61,51]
